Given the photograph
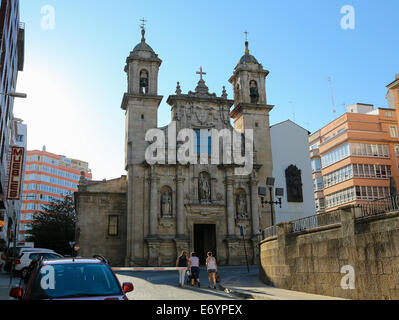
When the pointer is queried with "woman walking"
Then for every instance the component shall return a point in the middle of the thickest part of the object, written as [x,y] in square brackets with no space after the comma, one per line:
[194,264]
[212,268]
[182,261]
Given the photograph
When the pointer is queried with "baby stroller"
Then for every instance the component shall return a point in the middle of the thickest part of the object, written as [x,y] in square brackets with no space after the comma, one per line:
[189,276]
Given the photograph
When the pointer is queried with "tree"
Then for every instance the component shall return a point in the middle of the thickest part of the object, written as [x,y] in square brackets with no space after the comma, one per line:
[54,227]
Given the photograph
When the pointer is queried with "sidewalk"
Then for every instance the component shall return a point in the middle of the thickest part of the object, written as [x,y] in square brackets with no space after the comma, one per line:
[237,281]
[5,285]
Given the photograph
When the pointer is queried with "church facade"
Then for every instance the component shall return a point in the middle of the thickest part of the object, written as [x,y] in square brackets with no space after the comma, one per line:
[149,216]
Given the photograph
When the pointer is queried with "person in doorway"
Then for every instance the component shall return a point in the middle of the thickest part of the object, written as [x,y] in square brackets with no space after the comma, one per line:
[194,265]
[212,268]
[182,261]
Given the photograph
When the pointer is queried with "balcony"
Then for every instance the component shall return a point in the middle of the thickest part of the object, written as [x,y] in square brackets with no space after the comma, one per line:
[314,153]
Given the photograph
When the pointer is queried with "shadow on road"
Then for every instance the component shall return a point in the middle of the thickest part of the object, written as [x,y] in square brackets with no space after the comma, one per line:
[171,278]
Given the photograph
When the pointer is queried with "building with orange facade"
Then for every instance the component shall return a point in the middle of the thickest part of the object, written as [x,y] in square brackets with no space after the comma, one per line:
[354,156]
[48,176]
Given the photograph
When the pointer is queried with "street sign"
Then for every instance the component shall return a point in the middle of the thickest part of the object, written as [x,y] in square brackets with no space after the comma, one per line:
[15,172]
[262,191]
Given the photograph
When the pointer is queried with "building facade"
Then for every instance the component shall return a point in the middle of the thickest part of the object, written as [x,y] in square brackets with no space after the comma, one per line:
[11,61]
[290,151]
[358,154]
[48,176]
[160,209]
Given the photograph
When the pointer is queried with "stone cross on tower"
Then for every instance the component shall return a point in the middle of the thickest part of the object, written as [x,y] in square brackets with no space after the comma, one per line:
[142,26]
[201,73]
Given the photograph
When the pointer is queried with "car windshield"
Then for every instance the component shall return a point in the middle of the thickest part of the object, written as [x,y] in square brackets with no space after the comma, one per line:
[57,281]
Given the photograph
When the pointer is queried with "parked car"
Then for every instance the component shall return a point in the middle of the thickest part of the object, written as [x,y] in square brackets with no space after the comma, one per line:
[72,279]
[18,252]
[25,259]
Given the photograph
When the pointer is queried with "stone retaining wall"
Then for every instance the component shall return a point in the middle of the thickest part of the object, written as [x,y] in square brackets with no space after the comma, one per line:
[311,261]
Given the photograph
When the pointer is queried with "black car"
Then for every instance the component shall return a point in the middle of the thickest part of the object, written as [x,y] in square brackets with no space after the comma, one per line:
[72,279]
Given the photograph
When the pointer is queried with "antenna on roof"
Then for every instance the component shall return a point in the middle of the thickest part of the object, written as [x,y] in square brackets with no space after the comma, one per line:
[293,109]
[332,95]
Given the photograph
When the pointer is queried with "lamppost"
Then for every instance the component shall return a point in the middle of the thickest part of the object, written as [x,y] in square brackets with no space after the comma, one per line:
[279,193]
[16,95]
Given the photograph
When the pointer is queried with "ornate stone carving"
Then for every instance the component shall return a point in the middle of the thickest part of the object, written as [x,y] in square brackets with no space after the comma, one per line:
[204,187]
[166,202]
[202,114]
[241,206]
[294,184]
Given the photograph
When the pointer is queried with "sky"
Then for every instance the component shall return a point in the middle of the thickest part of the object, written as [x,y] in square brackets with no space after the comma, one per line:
[75,53]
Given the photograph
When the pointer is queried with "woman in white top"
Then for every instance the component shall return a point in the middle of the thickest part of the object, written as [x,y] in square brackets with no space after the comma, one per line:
[212,268]
[194,264]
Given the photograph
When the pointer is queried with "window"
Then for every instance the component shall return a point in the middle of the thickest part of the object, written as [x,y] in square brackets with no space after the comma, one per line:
[203,141]
[20,138]
[336,155]
[316,165]
[388,114]
[394,131]
[113,224]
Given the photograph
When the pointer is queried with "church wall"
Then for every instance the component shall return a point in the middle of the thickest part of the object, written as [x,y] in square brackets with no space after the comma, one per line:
[93,208]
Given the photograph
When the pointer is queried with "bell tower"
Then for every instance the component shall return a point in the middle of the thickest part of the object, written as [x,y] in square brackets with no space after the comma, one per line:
[141,101]
[251,111]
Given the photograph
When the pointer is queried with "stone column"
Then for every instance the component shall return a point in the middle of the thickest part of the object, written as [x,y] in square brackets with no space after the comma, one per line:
[230,203]
[154,203]
[180,204]
[129,220]
[254,205]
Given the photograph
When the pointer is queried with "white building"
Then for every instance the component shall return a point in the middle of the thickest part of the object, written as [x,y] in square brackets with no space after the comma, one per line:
[290,146]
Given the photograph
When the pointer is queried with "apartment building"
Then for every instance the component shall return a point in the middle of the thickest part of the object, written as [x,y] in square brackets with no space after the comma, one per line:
[355,156]
[12,34]
[48,176]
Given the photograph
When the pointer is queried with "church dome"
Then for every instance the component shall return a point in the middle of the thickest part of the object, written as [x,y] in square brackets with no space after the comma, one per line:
[246,58]
[143,46]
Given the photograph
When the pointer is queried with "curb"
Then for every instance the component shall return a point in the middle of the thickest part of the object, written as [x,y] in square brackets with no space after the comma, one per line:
[243,294]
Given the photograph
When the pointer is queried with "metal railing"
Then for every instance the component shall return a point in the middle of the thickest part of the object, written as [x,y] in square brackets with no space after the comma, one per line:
[269,232]
[379,206]
[323,219]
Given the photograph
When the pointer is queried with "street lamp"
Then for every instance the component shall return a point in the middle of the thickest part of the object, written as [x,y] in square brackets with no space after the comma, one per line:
[279,193]
[16,95]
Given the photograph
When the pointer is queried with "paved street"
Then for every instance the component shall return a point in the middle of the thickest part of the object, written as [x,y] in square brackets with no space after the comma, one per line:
[163,285]
[5,285]
[237,283]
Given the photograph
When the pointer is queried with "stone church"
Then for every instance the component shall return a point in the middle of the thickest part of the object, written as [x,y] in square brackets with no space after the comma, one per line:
[149,216]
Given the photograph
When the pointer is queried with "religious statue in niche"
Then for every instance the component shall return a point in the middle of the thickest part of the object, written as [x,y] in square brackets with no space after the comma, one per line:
[166,203]
[253,91]
[294,184]
[143,82]
[204,187]
[241,203]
